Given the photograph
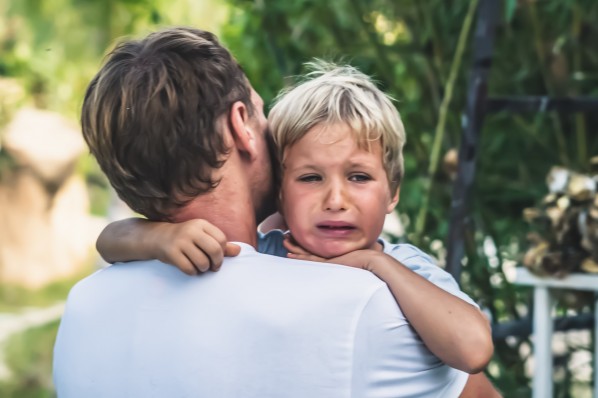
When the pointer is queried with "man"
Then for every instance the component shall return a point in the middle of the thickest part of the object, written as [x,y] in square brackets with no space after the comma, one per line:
[180,133]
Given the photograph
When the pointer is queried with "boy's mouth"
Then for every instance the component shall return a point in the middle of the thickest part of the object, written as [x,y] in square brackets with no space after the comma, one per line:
[335,226]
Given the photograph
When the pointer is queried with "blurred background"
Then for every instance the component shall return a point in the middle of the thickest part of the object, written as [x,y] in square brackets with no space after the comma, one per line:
[54,200]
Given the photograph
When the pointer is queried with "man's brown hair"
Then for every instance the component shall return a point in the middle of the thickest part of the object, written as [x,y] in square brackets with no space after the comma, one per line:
[151,117]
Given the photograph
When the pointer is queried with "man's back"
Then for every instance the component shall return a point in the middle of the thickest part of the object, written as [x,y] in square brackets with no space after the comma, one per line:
[261,327]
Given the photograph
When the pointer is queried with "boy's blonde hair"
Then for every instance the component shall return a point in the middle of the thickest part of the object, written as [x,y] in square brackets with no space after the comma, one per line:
[340,94]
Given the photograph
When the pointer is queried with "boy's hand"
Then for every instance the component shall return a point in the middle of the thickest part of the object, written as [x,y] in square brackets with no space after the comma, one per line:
[358,259]
[193,246]
[297,252]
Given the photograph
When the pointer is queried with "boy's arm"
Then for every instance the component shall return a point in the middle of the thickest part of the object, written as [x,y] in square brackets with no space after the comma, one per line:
[454,330]
[193,246]
[478,386]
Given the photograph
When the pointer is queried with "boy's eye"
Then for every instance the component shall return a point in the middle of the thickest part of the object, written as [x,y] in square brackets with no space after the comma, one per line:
[359,177]
[310,178]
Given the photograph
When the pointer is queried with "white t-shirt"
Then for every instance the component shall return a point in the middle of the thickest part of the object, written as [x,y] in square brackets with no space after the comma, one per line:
[262,326]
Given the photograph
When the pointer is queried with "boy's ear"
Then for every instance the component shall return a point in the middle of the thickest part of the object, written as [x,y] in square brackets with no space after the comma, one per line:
[393,201]
[243,135]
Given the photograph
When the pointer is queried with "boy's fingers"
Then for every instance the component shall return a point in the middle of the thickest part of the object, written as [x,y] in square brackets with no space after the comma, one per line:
[293,248]
[200,261]
[306,257]
[214,251]
[215,233]
[286,242]
[231,249]
[209,246]
[184,264]
[297,256]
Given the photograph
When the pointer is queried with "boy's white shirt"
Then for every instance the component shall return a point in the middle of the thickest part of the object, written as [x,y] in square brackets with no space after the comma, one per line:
[262,326]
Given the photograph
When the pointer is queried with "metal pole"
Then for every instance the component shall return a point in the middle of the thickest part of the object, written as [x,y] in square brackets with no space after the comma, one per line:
[542,380]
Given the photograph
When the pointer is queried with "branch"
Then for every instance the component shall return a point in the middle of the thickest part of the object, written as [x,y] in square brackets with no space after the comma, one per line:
[440,126]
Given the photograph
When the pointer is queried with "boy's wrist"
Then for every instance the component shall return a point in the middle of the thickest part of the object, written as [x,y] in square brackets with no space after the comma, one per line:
[382,265]
[150,240]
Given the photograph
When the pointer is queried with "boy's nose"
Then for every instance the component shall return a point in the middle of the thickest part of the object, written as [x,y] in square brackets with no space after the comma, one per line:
[336,198]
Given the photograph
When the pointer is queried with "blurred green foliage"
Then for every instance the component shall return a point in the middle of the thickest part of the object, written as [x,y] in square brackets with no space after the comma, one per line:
[54,47]
[14,298]
[30,361]
[543,47]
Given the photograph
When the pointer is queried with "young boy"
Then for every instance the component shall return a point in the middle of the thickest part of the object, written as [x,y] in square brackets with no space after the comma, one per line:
[339,140]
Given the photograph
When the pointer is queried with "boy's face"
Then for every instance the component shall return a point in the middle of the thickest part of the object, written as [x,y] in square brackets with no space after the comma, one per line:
[335,195]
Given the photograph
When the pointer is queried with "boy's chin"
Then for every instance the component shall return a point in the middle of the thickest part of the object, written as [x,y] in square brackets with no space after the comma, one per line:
[334,251]
[329,250]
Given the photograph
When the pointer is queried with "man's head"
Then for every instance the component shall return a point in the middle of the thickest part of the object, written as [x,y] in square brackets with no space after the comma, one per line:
[154,117]
[340,141]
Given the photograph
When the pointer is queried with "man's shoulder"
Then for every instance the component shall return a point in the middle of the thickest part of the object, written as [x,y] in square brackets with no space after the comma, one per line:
[255,271]
[283,268]
[125,269]
[130,275]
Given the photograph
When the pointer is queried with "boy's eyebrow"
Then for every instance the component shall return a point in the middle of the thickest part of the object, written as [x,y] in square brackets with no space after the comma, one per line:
[366,163]
[300,167]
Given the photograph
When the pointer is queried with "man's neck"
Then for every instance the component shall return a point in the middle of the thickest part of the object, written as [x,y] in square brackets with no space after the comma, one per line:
[230,209]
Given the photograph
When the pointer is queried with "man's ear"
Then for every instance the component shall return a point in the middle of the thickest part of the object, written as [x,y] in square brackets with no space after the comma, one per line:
[393,201]
[243,135]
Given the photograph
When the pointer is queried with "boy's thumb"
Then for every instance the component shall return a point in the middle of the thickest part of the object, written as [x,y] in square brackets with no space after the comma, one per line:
[231,250]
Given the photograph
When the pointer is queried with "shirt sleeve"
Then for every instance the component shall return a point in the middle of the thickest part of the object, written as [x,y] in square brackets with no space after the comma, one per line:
[422,264]
[390,360]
